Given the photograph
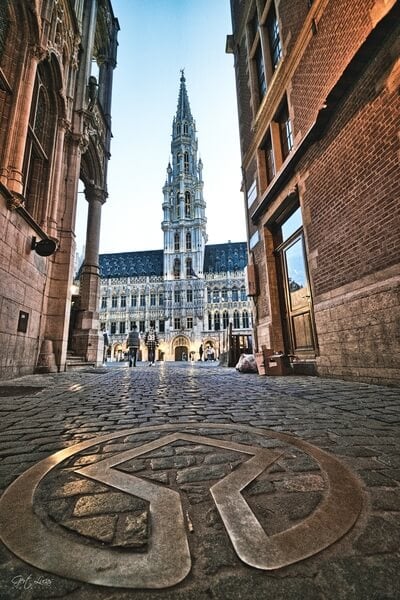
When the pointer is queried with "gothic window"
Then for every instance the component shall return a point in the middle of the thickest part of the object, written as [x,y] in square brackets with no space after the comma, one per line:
[215,296]
[142,300]
[176,242]
[114,302]
[189,267]
[161,299]
[178,129]
[225,319]
[188,241]
[38,149]
[235,294]
[177,268]
[189,322]
[209,295]
[142,326]
[104,302]
[122,327]
[217,321]
[152,299]
[224,295]
[210,320]
[185,129]
[245,319]
[236,320]
[161,326]
[113,327]
[177,323]
[177,210]
[188,205]
[186,163]
[133,301]
[189,295]
[243,295]
[123,301]
[132,324]
[177,296]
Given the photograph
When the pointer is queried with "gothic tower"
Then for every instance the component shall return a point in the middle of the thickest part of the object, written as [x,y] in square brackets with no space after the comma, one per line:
[184,223]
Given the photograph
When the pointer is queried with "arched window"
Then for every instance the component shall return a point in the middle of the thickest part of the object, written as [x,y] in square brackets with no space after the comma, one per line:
[217,321]
[235,294]
[185,129]
[245,319]
[177,268]
[177,210]
[236,320]
[178,129]
[209,320]
[188,205]
[243,295]
[39,145]
[176,242]
[189,267]
[186,162]
[188,241]
[225,319]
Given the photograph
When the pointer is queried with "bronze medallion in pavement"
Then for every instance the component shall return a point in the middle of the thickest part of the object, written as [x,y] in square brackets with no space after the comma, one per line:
[131,509]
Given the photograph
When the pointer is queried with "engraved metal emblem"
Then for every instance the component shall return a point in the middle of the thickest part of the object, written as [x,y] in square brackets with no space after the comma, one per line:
[167,559]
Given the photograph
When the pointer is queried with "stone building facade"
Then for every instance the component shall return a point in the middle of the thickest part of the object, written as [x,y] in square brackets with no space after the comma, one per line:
[55,129]
[189,291]
[318,102]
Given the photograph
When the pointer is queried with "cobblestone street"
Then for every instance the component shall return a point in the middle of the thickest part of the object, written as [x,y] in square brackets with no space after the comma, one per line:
[177,430]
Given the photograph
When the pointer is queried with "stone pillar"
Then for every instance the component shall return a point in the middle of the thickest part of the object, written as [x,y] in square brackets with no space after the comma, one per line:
[87,340]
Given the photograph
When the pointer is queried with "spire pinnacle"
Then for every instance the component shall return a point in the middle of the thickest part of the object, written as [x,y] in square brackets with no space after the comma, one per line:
[183,111]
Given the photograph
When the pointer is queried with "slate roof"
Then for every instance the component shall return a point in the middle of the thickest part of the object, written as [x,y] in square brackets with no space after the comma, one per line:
[220,258]
[131,264]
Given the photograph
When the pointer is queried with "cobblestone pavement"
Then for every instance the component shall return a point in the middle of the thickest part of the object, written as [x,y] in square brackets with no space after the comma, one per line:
[358,424]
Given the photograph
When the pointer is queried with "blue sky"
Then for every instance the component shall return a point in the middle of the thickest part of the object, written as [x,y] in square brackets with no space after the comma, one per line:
[157,39]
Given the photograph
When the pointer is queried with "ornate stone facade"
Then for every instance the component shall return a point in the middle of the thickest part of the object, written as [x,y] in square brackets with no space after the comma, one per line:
[55,128]
[190,291]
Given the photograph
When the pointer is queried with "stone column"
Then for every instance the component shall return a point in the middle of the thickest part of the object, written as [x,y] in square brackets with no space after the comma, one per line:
[87,340]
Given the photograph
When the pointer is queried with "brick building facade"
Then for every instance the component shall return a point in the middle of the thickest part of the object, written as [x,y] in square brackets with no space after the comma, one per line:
[56,67]
[319,113]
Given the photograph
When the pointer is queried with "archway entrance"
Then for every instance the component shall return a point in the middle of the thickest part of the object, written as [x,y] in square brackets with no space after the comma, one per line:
[180,348]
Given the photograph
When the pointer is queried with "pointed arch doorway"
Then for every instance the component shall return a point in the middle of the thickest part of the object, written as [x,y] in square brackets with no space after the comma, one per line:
[180,348]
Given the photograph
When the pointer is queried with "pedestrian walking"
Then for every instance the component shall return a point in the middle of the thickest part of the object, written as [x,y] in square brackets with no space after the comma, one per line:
[201,352]
[151,341]
[106,345]
[132,343]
